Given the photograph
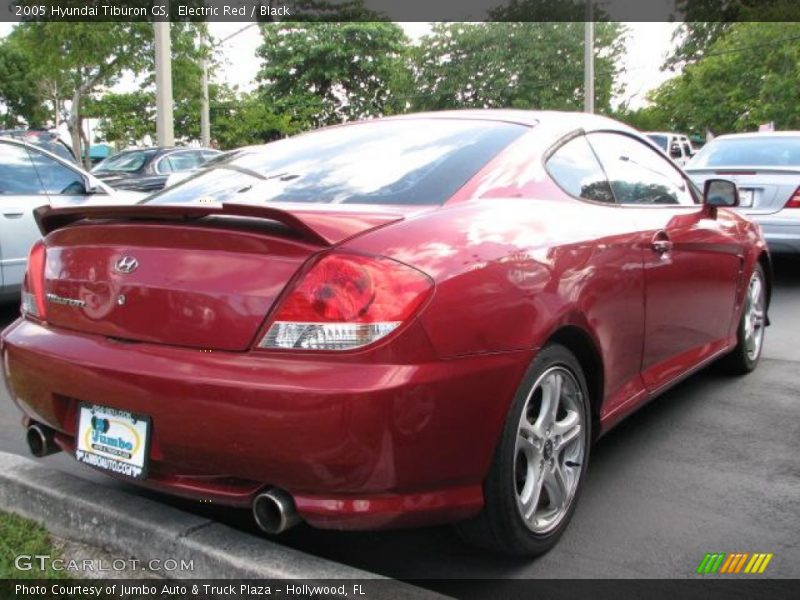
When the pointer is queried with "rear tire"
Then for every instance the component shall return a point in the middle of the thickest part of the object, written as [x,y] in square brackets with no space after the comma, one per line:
[539,465]
[750,333]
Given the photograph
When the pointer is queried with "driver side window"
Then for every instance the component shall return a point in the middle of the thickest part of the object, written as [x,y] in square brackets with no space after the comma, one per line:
[637,173]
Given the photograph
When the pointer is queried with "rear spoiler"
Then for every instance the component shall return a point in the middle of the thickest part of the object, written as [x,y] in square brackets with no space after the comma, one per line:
[318,226]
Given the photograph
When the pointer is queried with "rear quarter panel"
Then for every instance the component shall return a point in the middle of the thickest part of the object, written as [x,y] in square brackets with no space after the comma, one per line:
[510,272]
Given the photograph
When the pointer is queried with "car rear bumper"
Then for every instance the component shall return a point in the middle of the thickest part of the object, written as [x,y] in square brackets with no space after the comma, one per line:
[781,230]
[357,444]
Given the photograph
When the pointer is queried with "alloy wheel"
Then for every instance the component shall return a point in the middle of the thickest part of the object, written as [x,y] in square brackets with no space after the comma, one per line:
[549,449]
[754,310]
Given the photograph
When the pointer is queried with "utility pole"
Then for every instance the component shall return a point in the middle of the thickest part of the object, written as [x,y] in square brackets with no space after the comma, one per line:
[205,110]
[588,59]
[164,120]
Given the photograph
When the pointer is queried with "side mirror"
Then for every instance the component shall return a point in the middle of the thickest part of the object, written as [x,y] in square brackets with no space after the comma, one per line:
[720,192]
[92,186]
[675,152]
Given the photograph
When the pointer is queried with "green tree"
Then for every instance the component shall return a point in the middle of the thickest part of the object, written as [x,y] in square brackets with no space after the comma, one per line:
[750,75]
[242,120]
[84,56]
[322,72]
[20,89]
[513,64]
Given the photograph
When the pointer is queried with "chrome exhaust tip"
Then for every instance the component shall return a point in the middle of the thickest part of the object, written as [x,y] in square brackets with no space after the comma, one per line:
[41,440]
[274,511]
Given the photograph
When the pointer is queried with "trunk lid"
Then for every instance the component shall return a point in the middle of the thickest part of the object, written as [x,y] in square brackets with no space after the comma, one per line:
[763,190]
[201,277]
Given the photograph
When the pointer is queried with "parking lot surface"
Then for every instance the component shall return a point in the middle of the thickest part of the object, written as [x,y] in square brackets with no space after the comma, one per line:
[711,466]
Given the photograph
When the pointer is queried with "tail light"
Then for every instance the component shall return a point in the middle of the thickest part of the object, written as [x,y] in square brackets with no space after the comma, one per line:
[794,201]
[347,301]
[33,300]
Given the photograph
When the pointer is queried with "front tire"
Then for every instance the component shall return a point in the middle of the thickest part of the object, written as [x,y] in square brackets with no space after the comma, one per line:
[540,462]
[750,333]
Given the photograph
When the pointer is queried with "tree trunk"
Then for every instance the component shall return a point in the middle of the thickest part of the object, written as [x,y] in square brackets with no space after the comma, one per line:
[74,124]
[87,160]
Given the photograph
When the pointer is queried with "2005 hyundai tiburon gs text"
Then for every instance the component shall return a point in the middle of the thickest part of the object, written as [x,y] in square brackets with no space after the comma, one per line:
[413,320]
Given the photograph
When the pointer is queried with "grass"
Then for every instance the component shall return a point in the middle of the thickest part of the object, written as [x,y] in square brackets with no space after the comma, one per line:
[19,537]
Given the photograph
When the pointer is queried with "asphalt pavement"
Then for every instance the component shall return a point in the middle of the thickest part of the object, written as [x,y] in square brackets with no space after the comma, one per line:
[711,466]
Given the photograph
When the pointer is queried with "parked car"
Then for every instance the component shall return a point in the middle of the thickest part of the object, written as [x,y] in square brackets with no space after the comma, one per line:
[31,177]
[675,145]
[404,321]
[766,167]
[147,169]
[181,175]
[41,138]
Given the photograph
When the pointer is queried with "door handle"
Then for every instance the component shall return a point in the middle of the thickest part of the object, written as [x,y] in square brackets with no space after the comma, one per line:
[661,243]
[13,213]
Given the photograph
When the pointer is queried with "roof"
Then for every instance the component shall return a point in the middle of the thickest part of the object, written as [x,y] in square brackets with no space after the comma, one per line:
[522,117]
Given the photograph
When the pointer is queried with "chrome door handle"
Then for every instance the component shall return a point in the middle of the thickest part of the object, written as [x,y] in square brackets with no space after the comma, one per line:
[661,243]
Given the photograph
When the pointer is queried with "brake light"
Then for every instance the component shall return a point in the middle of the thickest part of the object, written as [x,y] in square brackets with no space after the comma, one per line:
[33,300]
[794,201]
[347,301]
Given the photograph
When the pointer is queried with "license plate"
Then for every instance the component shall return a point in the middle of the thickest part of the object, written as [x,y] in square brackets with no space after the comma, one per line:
[746,197]
[114,440]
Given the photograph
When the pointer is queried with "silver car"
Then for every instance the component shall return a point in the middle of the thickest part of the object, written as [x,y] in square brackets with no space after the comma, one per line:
[31,177]
[766,167]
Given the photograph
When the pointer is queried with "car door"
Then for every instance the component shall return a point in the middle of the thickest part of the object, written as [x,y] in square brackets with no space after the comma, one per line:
[21,191]
[693,259]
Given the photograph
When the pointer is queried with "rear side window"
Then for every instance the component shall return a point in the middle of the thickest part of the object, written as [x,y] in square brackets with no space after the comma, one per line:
[17,175]
[405,161]
[576,169]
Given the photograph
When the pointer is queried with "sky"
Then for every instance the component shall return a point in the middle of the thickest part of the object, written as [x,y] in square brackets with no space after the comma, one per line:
[647,47]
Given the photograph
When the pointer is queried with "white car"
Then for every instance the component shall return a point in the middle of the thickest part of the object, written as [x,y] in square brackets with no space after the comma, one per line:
[31,177]
[675,145]
[766,167]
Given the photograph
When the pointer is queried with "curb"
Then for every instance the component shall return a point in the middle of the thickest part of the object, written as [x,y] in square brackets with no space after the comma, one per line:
[78,510]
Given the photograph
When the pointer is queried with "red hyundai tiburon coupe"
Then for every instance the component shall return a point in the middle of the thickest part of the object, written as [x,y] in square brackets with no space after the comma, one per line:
[405,321]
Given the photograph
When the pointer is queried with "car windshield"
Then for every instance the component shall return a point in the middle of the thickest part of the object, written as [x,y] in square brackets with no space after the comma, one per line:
[660,140]
[767,151]
[124,162]
[404,161]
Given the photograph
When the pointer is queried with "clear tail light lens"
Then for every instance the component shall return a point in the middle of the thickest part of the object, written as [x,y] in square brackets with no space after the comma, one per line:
[33,298]
[794,201]
[347,301]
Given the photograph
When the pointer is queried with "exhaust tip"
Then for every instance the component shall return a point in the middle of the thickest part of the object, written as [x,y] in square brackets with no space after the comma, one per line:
[40,441]
[274,511]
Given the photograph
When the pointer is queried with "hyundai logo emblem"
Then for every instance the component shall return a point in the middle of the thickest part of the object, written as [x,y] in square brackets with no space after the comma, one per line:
[126,264]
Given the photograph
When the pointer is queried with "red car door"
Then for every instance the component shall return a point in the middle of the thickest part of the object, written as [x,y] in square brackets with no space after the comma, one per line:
[692,259]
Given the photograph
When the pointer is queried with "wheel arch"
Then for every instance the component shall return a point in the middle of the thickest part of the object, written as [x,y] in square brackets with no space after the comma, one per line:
[578,341]
[765,261]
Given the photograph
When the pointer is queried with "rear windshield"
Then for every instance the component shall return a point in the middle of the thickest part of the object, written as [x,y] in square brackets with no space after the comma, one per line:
[410,161]
[768,151]
[125,162]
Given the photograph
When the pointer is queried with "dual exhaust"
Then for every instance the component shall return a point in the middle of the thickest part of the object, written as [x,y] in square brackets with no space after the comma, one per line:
[41,440]
[273,510]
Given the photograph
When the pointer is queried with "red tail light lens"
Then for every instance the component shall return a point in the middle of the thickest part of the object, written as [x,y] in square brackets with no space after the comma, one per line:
[794,201]
[33,299]
[347,301]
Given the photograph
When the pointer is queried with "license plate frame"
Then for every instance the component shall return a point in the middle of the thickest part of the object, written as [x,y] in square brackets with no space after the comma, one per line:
[746,197]
[121,444]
